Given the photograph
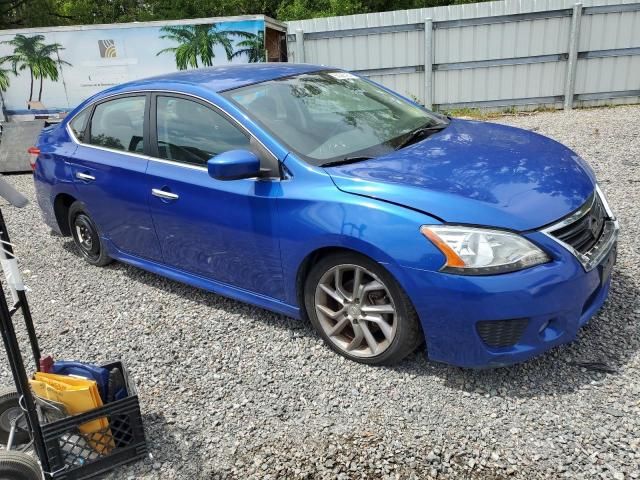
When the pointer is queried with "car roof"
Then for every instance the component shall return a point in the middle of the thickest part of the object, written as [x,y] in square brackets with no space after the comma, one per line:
[224,77]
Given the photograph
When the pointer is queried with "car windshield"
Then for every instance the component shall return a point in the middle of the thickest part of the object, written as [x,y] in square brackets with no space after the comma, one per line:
[331,116]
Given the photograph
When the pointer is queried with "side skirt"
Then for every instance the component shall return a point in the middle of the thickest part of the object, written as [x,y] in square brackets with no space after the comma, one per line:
[219,288]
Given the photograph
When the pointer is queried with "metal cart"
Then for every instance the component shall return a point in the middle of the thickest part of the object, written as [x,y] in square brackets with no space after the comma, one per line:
[27,423]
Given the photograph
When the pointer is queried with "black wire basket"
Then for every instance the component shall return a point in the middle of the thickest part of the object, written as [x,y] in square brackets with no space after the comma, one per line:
[75,454]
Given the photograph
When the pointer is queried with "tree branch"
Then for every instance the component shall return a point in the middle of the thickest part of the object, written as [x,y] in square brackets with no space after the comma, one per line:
[14,6]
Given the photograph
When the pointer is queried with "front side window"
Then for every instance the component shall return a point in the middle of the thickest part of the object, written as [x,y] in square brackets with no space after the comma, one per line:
[119,124]
[190,132]
[79,123]
[332,115]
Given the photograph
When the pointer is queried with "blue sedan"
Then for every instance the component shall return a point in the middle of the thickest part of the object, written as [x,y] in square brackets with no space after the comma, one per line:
[318,194]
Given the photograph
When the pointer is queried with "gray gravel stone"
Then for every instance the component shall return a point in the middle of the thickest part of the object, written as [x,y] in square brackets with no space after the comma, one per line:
[232,391]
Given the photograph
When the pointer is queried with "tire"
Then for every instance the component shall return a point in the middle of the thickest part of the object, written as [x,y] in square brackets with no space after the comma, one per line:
[86,235]
[19,466]
[9,409]
[378,326]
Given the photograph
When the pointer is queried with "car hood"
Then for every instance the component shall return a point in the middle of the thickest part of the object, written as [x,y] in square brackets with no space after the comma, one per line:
[477,173]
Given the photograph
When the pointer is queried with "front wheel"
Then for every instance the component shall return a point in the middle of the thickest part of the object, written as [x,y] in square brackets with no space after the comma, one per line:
[360,310]
[19,466]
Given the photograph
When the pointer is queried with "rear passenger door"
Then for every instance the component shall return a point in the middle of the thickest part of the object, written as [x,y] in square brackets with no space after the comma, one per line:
[109,168]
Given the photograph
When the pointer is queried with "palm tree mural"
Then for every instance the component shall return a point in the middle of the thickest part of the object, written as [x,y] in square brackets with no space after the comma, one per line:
[33,54]
[4,79]
[196,44]
[47,67]
[4,85]
[252,46]
[24,54]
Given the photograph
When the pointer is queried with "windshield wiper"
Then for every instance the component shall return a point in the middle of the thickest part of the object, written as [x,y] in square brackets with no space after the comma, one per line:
[346,160]
[420,134]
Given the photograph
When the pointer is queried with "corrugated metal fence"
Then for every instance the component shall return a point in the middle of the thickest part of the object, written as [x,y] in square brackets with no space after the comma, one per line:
[491,55]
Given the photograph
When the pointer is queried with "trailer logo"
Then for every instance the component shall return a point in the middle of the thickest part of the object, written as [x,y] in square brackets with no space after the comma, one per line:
[107,48]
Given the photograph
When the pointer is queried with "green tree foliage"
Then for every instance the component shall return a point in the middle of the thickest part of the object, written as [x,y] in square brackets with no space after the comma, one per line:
[179,9]
[39,13]
[103,11]
[299,9]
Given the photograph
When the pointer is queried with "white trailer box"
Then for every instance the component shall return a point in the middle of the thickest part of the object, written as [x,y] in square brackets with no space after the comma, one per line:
[94,57]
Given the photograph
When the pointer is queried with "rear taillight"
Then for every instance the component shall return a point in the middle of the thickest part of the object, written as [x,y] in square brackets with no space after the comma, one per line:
[33,154]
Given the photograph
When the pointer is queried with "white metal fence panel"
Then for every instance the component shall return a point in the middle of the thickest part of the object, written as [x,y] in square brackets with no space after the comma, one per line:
[460,88]
[513,52]
[614,34]
[502,40]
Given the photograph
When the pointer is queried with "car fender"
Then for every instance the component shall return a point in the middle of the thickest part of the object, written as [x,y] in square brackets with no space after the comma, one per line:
[314,215]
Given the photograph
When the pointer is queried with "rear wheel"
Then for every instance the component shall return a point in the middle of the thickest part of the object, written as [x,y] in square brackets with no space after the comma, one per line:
[10,413]
[86,236]
[360,310]
[19,466]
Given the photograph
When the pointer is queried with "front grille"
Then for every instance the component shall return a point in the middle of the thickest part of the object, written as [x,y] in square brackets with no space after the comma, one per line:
[501,333]
[583,233]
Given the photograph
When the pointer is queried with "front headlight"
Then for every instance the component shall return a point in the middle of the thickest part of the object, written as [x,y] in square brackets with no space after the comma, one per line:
[480,251]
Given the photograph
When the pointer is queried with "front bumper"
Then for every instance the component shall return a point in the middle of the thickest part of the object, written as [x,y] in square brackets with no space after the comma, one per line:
[556,299]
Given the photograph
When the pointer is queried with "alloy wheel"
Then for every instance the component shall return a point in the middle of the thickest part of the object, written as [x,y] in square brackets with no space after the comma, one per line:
[356,310]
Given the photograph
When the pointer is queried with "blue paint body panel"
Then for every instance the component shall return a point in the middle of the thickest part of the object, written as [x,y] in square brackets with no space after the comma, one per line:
[119,186]
[223,230]
[248,238]
[559,292]
[479,173]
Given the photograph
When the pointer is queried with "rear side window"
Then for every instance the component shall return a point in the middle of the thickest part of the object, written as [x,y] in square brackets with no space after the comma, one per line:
[189,132]
[79,123]
[119,124]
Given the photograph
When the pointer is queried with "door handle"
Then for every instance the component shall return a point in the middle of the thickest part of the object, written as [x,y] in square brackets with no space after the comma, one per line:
[156,192]
[85,177]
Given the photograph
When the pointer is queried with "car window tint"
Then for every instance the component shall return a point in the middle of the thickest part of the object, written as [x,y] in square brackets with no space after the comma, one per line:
[190,132]
[119,124]
[79,123]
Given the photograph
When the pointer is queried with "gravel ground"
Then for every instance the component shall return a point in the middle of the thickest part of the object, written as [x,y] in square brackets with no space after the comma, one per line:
[232,391]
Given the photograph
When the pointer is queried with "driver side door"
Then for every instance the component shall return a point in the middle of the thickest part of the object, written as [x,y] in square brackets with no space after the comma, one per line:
[221,230]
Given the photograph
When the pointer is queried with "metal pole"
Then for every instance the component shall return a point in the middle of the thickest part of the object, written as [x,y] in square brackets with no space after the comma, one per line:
[299,46]
[17,367]
[428,63]
[22,381]
[31,331]
[16,286]
[574,37]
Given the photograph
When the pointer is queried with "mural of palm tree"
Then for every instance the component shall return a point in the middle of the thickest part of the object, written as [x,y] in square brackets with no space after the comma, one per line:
[24,55]
[4,84]
[47,67]
[252,46]
[33,54]
[196,44]
[4,79]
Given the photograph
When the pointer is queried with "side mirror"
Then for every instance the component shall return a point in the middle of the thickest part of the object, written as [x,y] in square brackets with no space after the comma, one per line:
[234,165]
